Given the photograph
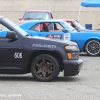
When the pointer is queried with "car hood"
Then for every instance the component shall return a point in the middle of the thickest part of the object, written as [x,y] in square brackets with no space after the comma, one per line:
[86,30]
[49,40]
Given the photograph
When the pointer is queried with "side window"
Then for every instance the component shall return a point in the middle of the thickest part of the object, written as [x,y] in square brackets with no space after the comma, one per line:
[58,26]
[41,27]
[3,31]
[2,27]
[44,27]
[55,27]
[51,26]
[35,28]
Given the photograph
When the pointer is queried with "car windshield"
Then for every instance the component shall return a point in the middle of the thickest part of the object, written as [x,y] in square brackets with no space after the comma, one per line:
[15,26]
[67,26]
[36,16]
[79,25]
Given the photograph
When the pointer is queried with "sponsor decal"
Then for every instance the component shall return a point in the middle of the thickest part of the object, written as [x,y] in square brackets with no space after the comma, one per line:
[18,55]
[44,46]
[66,36]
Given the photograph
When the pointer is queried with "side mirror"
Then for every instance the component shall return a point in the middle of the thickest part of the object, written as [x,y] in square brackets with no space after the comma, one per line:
[65,31]
[12,35]
[20,18]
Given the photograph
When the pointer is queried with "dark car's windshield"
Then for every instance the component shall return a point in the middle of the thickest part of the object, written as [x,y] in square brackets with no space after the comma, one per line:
[15,26]
[36,15]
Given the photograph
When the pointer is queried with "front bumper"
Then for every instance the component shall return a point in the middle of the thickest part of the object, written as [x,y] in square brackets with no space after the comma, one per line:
[72,67]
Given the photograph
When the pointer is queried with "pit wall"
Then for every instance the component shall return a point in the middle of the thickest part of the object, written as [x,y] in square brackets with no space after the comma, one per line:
[61,9]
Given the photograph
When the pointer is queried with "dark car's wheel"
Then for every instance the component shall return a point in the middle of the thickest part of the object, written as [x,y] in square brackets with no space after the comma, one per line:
[93,47]
[44,68]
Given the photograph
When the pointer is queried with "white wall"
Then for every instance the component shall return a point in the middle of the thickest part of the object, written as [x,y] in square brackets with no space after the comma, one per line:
[14,9]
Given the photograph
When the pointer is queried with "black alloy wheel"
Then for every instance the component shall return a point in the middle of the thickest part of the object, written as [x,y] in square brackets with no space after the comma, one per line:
[93,47]
[45,68]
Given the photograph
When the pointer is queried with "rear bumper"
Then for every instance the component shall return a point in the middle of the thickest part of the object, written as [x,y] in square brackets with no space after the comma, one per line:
[72,67]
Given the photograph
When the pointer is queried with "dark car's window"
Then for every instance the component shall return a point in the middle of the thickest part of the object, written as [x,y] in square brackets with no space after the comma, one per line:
[3,31]
[16,27]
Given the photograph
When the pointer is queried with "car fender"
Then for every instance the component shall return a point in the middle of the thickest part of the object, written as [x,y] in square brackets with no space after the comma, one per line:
[50,48]
[96,38]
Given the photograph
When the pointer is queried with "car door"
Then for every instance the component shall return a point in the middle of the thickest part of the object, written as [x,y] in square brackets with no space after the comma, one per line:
[79,38]
[11,53]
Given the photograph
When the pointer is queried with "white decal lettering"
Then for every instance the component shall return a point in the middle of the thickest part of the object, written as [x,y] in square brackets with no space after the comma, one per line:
[44,45]
[18,55]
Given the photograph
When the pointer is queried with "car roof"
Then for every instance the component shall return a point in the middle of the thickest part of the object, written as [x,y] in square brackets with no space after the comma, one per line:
[67,19]
[38,11]
[52,20]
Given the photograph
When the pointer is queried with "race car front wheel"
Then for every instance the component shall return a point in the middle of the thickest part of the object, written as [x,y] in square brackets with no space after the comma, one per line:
[44,67]
[93,47]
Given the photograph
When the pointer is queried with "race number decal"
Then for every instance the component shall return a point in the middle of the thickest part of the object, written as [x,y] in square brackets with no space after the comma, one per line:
[17,55]
[66,36]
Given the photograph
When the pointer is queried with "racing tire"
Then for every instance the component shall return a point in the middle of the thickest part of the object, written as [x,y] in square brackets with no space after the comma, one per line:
[92,48]
[44,68]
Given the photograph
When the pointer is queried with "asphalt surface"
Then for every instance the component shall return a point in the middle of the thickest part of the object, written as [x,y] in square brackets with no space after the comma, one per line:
[85,86]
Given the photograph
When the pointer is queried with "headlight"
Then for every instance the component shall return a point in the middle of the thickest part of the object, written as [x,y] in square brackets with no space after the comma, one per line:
[71,47]
[72,52]
[54,36]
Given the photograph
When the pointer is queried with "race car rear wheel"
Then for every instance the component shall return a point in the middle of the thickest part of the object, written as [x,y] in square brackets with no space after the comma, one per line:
[93,47]
[44,68]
